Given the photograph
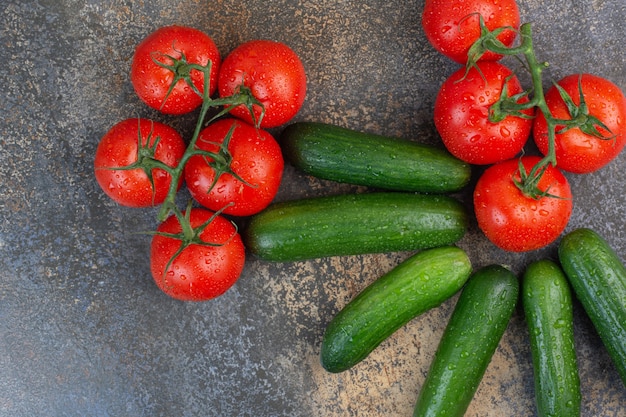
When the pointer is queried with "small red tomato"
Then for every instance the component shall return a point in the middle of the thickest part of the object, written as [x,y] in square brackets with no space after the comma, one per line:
[577,151]
[517,222]
[255,159]
[199,272]
[452,26]
[274,74]
[462,109]
[175,48]
[119,148]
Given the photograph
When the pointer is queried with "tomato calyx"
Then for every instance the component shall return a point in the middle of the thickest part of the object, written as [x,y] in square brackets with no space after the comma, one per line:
[221,161]
[507,105]
[190,235]
[580,117]
[487,41]
[181,70]
[528,182]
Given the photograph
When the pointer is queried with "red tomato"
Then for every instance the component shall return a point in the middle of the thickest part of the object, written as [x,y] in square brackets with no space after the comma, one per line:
[199,272]
[577,151]
[274,74]
[174,46]
[256,158]
[461,115]
[452,26]
[119,148]
[514,221]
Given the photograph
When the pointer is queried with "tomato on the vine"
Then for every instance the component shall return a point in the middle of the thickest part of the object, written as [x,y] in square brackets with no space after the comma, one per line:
[249,168]
[515,221]
[210,262]
[593,145]
[462,110]
[452,26]
[274,74]
[124,161]
[162,72]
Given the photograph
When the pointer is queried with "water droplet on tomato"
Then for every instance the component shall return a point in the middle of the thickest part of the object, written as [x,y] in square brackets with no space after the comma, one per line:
[505,132]
[474,138]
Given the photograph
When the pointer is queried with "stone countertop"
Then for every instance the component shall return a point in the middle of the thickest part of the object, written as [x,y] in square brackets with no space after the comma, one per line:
[83,329]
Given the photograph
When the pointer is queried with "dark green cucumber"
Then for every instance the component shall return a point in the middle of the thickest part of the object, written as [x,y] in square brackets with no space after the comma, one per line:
[343,155]
[479,319]
[547,302]
[598,278]
[423,281]
[355,224]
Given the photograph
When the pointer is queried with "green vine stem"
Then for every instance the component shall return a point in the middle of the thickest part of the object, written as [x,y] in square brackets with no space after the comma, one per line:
[242,97]
[222,158]
[580,117]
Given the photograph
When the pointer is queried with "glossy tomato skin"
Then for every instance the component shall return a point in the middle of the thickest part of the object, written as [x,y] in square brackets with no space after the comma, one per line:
[452,26]
[576,151]
[198,273]
[257,159]
[151,82]
[514,221]
[275,75]
[118,148]
[461,115]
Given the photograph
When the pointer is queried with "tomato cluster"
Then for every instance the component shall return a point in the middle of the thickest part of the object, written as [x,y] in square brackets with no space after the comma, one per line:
[231,166]
[485,117]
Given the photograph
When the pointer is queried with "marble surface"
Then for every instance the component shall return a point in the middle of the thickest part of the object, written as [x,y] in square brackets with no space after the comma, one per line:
[83,329]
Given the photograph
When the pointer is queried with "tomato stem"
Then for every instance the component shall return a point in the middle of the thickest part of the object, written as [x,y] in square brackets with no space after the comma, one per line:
[243,96]
[528,181]
[579,115]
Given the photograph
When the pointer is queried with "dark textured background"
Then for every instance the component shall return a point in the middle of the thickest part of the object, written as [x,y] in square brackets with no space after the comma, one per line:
[83,329]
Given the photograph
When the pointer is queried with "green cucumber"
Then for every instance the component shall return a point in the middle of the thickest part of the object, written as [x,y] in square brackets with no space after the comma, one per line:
[343,155]
[547,302]
[421,282]
[598,278]
[479,319]
[354,224]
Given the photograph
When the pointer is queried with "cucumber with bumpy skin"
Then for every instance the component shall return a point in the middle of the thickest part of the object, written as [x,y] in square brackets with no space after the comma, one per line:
[598,278]
[547,302]
[343,155]
[479,319]
[421,282]
[354,224]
